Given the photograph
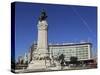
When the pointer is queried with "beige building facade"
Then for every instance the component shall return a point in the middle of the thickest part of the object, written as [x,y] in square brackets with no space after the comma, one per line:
[83,51]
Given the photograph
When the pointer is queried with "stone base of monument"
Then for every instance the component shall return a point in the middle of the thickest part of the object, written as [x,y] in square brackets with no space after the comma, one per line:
[39,64]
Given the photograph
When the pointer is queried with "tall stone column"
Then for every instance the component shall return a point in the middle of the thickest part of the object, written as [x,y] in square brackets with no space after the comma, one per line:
[41,58]
[42,42]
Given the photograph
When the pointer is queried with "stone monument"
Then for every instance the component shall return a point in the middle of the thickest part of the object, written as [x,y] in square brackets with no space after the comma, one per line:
[41,57]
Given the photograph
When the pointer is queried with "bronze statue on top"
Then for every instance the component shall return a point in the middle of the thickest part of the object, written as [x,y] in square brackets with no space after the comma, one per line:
[43,15]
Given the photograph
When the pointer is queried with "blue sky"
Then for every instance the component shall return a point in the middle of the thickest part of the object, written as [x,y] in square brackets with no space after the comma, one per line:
[66,23]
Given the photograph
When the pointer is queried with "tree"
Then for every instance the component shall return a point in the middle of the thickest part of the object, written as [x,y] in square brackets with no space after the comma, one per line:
[73,60]
[61,59]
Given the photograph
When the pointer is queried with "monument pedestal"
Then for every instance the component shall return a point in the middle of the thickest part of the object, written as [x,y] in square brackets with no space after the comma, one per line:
[40,61]
[39,64]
